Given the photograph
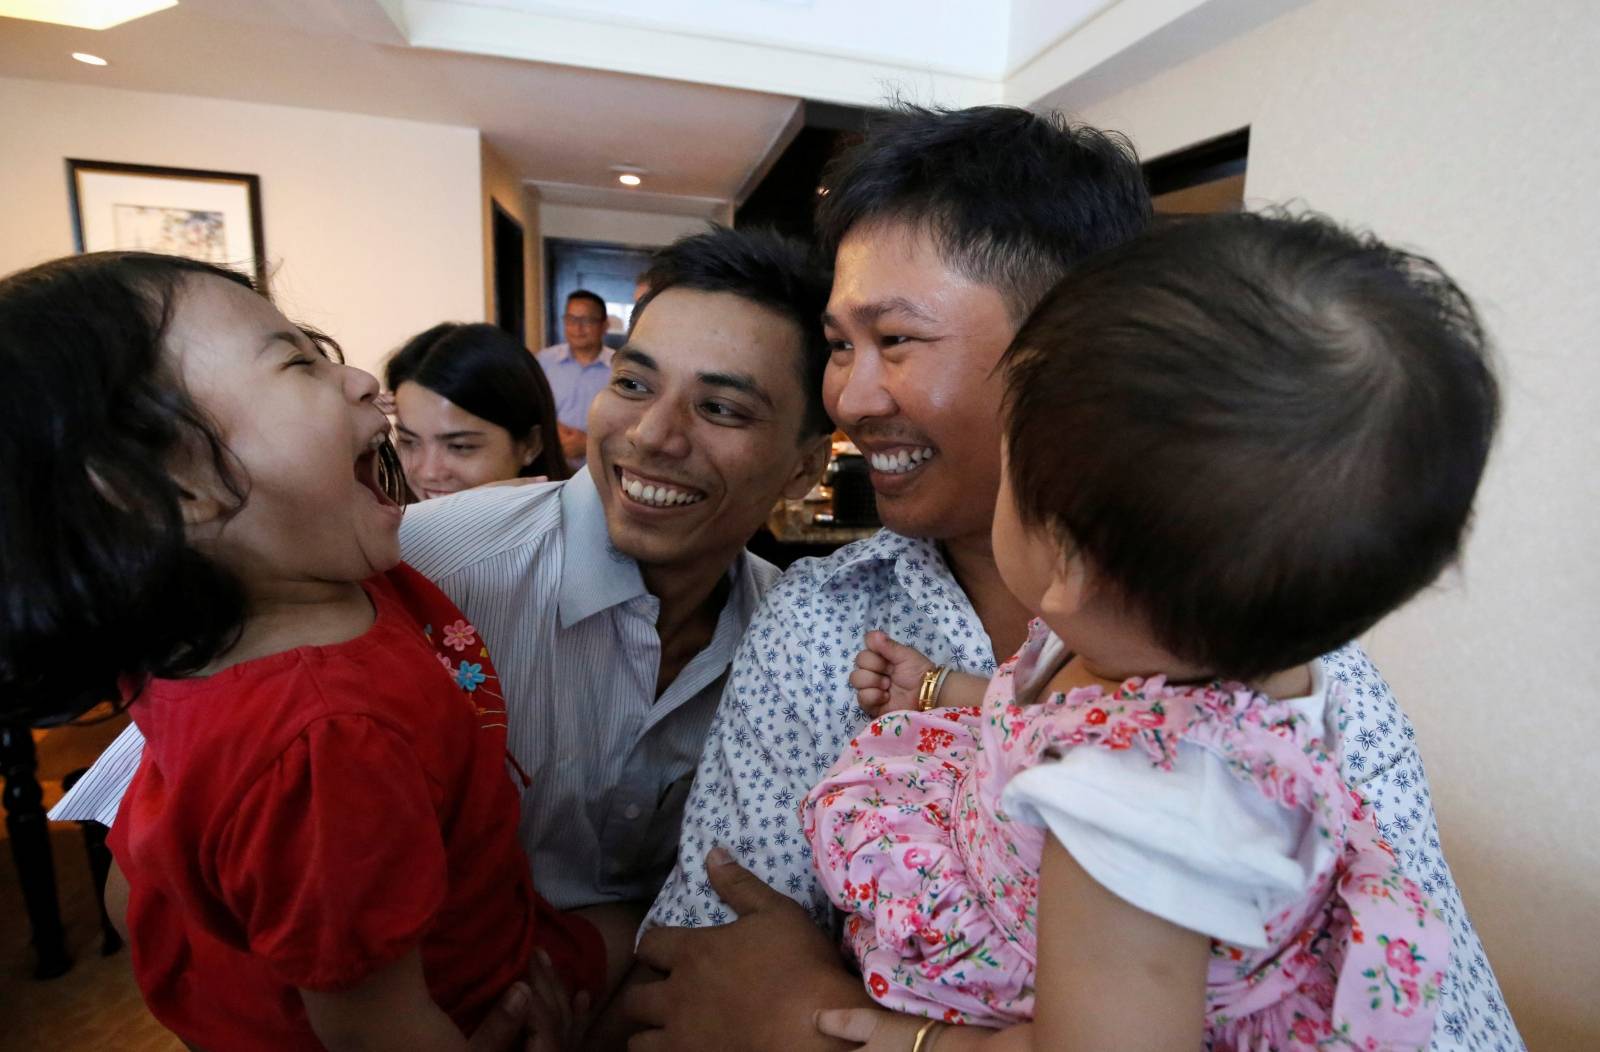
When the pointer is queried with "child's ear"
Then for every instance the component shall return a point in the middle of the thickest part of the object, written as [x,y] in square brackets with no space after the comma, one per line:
[813,462]
[199,506]
[1067,591]
[198,496]
[197,510]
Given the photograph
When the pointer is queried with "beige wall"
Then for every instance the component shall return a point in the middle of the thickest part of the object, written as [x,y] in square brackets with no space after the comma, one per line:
[1468,128]
[372,224]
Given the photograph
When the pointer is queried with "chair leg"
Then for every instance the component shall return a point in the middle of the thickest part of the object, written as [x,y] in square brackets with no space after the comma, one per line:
[30,848]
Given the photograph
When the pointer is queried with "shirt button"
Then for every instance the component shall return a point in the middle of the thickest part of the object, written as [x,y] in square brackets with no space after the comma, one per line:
[630,812]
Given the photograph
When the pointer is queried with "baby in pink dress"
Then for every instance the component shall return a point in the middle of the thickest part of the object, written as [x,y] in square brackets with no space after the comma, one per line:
[1231,446]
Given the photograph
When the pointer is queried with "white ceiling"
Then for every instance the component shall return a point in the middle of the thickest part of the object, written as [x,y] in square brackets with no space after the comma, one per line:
[700,93]
[554,124]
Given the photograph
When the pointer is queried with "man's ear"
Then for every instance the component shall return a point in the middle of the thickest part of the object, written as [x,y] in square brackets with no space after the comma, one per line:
[808,472]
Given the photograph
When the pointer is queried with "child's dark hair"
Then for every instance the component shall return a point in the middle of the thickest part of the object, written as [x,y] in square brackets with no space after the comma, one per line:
[1013,199]
[1263,432]
[764,267]
[98,578]
[489,373]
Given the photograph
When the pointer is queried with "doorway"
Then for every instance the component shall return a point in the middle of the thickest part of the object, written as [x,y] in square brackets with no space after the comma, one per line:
[1206,177]
[510,295]
[608,270]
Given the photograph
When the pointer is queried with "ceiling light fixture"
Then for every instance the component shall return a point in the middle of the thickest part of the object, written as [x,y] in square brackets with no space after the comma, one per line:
[89,60]
[629,174]
[83,14]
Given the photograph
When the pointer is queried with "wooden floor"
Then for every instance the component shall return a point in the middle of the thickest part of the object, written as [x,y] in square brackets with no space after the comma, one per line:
[96,1005]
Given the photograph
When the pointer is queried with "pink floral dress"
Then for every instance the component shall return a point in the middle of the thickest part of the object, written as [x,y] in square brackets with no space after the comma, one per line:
[941,885]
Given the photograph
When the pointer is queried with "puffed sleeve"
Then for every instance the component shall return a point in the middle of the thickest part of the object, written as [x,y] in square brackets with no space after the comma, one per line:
[333,864]
[1195,845]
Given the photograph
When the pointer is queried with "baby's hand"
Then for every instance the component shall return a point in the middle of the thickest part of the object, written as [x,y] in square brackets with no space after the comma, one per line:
[887,675]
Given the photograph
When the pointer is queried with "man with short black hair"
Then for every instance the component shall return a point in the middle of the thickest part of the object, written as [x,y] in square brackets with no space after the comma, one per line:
[946,228]
[613,602]
[577,369]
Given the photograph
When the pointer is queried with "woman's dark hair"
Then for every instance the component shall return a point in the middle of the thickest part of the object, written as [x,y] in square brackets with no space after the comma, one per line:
[1264,433]
[1012,199]
[766,268]
[490,374]
[100,584]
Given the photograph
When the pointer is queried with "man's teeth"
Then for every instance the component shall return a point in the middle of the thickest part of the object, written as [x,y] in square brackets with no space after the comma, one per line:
[900,462]
[377,440]
[658,496]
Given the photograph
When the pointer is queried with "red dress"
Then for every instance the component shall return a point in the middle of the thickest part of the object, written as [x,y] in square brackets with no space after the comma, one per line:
[302,820]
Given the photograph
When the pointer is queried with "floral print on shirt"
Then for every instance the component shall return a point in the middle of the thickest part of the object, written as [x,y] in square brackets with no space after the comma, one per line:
[942,884]
[788,711]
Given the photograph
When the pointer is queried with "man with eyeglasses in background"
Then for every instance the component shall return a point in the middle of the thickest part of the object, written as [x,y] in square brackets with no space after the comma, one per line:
[577,369]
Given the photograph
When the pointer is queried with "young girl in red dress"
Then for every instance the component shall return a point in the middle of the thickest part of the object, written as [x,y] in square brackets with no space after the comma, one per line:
[200,517]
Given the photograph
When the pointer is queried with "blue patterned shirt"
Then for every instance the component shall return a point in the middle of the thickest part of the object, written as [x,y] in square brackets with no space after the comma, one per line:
[788,710]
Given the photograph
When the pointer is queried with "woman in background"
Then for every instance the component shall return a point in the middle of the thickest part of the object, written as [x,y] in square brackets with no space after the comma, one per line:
[473,408]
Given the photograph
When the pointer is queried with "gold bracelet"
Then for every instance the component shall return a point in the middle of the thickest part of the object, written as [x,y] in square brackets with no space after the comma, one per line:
[922,1035]
[932,683]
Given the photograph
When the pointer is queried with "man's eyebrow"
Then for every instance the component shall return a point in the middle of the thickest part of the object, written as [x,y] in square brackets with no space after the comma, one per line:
[743,382]
[630,353]
[867,313]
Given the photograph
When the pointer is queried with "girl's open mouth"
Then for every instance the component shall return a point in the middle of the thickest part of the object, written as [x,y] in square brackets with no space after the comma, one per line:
[378,469]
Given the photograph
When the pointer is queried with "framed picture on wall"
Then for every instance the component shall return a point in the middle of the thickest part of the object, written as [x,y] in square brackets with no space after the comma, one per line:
[210,216]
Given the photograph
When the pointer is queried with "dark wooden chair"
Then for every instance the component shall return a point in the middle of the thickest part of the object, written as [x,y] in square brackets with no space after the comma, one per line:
[28,829]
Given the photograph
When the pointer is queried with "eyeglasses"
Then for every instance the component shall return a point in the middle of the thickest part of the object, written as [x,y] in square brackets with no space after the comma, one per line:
[578,319]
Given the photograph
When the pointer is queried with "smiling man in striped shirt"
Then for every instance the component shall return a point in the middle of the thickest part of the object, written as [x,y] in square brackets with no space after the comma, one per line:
[613,602]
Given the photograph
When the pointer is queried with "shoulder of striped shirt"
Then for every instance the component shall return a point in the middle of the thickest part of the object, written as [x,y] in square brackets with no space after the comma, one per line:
[461,530]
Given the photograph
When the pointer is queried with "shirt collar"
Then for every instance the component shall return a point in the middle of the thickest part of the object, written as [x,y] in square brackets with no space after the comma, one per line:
[921,574]
[594,575]
[565,355]
[883,546]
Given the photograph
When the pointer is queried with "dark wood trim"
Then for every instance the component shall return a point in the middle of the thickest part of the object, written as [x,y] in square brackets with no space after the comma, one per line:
[1203,162]
[252,185]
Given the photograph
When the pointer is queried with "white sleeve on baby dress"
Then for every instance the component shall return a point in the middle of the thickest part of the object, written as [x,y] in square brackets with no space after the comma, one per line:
[1195,845]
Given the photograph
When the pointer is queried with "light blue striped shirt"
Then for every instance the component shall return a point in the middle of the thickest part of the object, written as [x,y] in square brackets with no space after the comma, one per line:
[572,634]
[573,383]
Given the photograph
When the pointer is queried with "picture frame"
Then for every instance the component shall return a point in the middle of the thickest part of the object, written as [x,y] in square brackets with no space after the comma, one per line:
[210,216]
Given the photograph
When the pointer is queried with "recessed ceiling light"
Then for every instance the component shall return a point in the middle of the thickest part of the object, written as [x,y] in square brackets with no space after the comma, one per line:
[629,174]
[89,60]
[83,14]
